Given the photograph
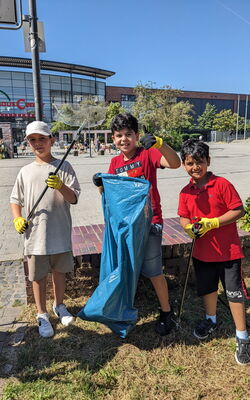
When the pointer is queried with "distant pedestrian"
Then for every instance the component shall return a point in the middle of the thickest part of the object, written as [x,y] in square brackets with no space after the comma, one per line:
[23,148]
[15,151]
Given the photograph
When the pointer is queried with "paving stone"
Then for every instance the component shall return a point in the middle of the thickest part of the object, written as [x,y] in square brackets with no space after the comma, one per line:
[7,368]
[3,336]
[16,339]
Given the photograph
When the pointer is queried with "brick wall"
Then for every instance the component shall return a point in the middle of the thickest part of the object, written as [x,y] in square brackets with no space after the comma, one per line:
[113,93]
[174,260]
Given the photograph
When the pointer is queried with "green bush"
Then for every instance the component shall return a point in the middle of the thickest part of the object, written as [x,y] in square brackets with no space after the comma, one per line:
[245,221]
[173,139]
[186,136]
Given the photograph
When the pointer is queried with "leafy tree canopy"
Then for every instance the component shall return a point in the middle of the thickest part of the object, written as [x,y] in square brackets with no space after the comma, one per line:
[58,126]
[159,111]
[226,121]
[112,110]
[206,119]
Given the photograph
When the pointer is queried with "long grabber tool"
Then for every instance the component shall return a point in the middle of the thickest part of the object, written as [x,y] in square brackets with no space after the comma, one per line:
[75,139]
[82,115]
[195,229]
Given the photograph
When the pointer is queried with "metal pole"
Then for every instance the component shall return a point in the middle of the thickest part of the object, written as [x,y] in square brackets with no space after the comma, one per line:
[186,281]
[245,124]
[34,44]
[90,154]
[237,123]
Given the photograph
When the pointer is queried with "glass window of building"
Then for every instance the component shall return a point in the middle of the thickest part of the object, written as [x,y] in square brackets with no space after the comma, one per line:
[127,101]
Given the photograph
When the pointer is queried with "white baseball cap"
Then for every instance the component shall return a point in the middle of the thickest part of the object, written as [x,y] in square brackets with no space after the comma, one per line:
[38,127]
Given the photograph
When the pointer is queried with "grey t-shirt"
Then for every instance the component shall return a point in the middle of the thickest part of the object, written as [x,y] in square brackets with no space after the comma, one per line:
[49,231]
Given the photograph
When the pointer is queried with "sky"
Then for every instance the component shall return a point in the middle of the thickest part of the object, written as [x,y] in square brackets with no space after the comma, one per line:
[200,45]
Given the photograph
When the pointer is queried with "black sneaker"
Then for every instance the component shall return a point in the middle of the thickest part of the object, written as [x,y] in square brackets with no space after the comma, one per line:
[166,323]
[242,354]
[204,329]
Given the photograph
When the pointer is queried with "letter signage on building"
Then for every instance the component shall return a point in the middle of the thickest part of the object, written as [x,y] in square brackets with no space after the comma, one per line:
[24,108]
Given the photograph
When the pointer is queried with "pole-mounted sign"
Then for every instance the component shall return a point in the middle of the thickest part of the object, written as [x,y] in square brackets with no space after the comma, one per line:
[10,14]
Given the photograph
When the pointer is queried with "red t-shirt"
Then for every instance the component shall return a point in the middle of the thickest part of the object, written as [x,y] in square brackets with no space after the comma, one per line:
[212,200]
[142,165]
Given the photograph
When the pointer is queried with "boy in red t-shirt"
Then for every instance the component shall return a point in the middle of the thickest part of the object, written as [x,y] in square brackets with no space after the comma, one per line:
[141,162]
[217,250]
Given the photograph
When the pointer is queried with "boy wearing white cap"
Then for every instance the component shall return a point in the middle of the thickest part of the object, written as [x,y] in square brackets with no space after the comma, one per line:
[47,237]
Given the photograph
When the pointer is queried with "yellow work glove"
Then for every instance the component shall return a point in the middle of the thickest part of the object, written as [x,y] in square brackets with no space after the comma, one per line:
[159,142]
[207,224]
[189,230]
[20,224]
[149,140]
[54,182]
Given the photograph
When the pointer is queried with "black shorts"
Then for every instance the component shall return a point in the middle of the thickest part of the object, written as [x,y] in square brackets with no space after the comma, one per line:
[208,275]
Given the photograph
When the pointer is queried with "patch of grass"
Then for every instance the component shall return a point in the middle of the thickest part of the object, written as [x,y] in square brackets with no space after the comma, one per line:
[17,303]
[87,361]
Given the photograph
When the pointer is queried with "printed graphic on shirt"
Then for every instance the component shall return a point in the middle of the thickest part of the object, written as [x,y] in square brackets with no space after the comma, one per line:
[134,170]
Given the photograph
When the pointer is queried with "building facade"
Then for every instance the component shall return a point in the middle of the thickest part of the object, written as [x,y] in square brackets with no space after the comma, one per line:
[68,83]
[126,96]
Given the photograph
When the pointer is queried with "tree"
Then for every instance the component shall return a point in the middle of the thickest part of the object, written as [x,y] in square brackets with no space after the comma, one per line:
[159,111]
[206,119]
[112,110]
[180,117]
[86,114]
[226,121]
[58,126]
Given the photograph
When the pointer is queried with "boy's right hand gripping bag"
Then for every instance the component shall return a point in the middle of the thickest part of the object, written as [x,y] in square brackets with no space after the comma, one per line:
[127,214]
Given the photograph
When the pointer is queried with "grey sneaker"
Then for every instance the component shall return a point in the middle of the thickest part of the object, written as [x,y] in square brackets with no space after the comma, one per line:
[242,354]
[204,329]
[165,323]
[45,328]
[65,317]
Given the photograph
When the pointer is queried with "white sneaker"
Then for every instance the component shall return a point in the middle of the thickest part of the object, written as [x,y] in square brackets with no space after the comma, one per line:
[45,328]
[65,317]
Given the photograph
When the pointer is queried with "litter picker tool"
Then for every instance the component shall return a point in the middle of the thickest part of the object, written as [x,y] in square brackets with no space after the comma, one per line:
[195,229]
[84,116]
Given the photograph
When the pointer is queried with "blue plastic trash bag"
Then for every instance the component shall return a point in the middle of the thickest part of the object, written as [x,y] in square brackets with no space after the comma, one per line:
[127,214]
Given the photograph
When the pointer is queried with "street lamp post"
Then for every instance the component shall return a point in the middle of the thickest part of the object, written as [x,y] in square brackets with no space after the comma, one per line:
[245,123]
[237,121]
[90,154]
[34,44]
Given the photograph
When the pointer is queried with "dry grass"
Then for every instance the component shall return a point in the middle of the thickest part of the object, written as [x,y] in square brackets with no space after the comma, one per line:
[88,362]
